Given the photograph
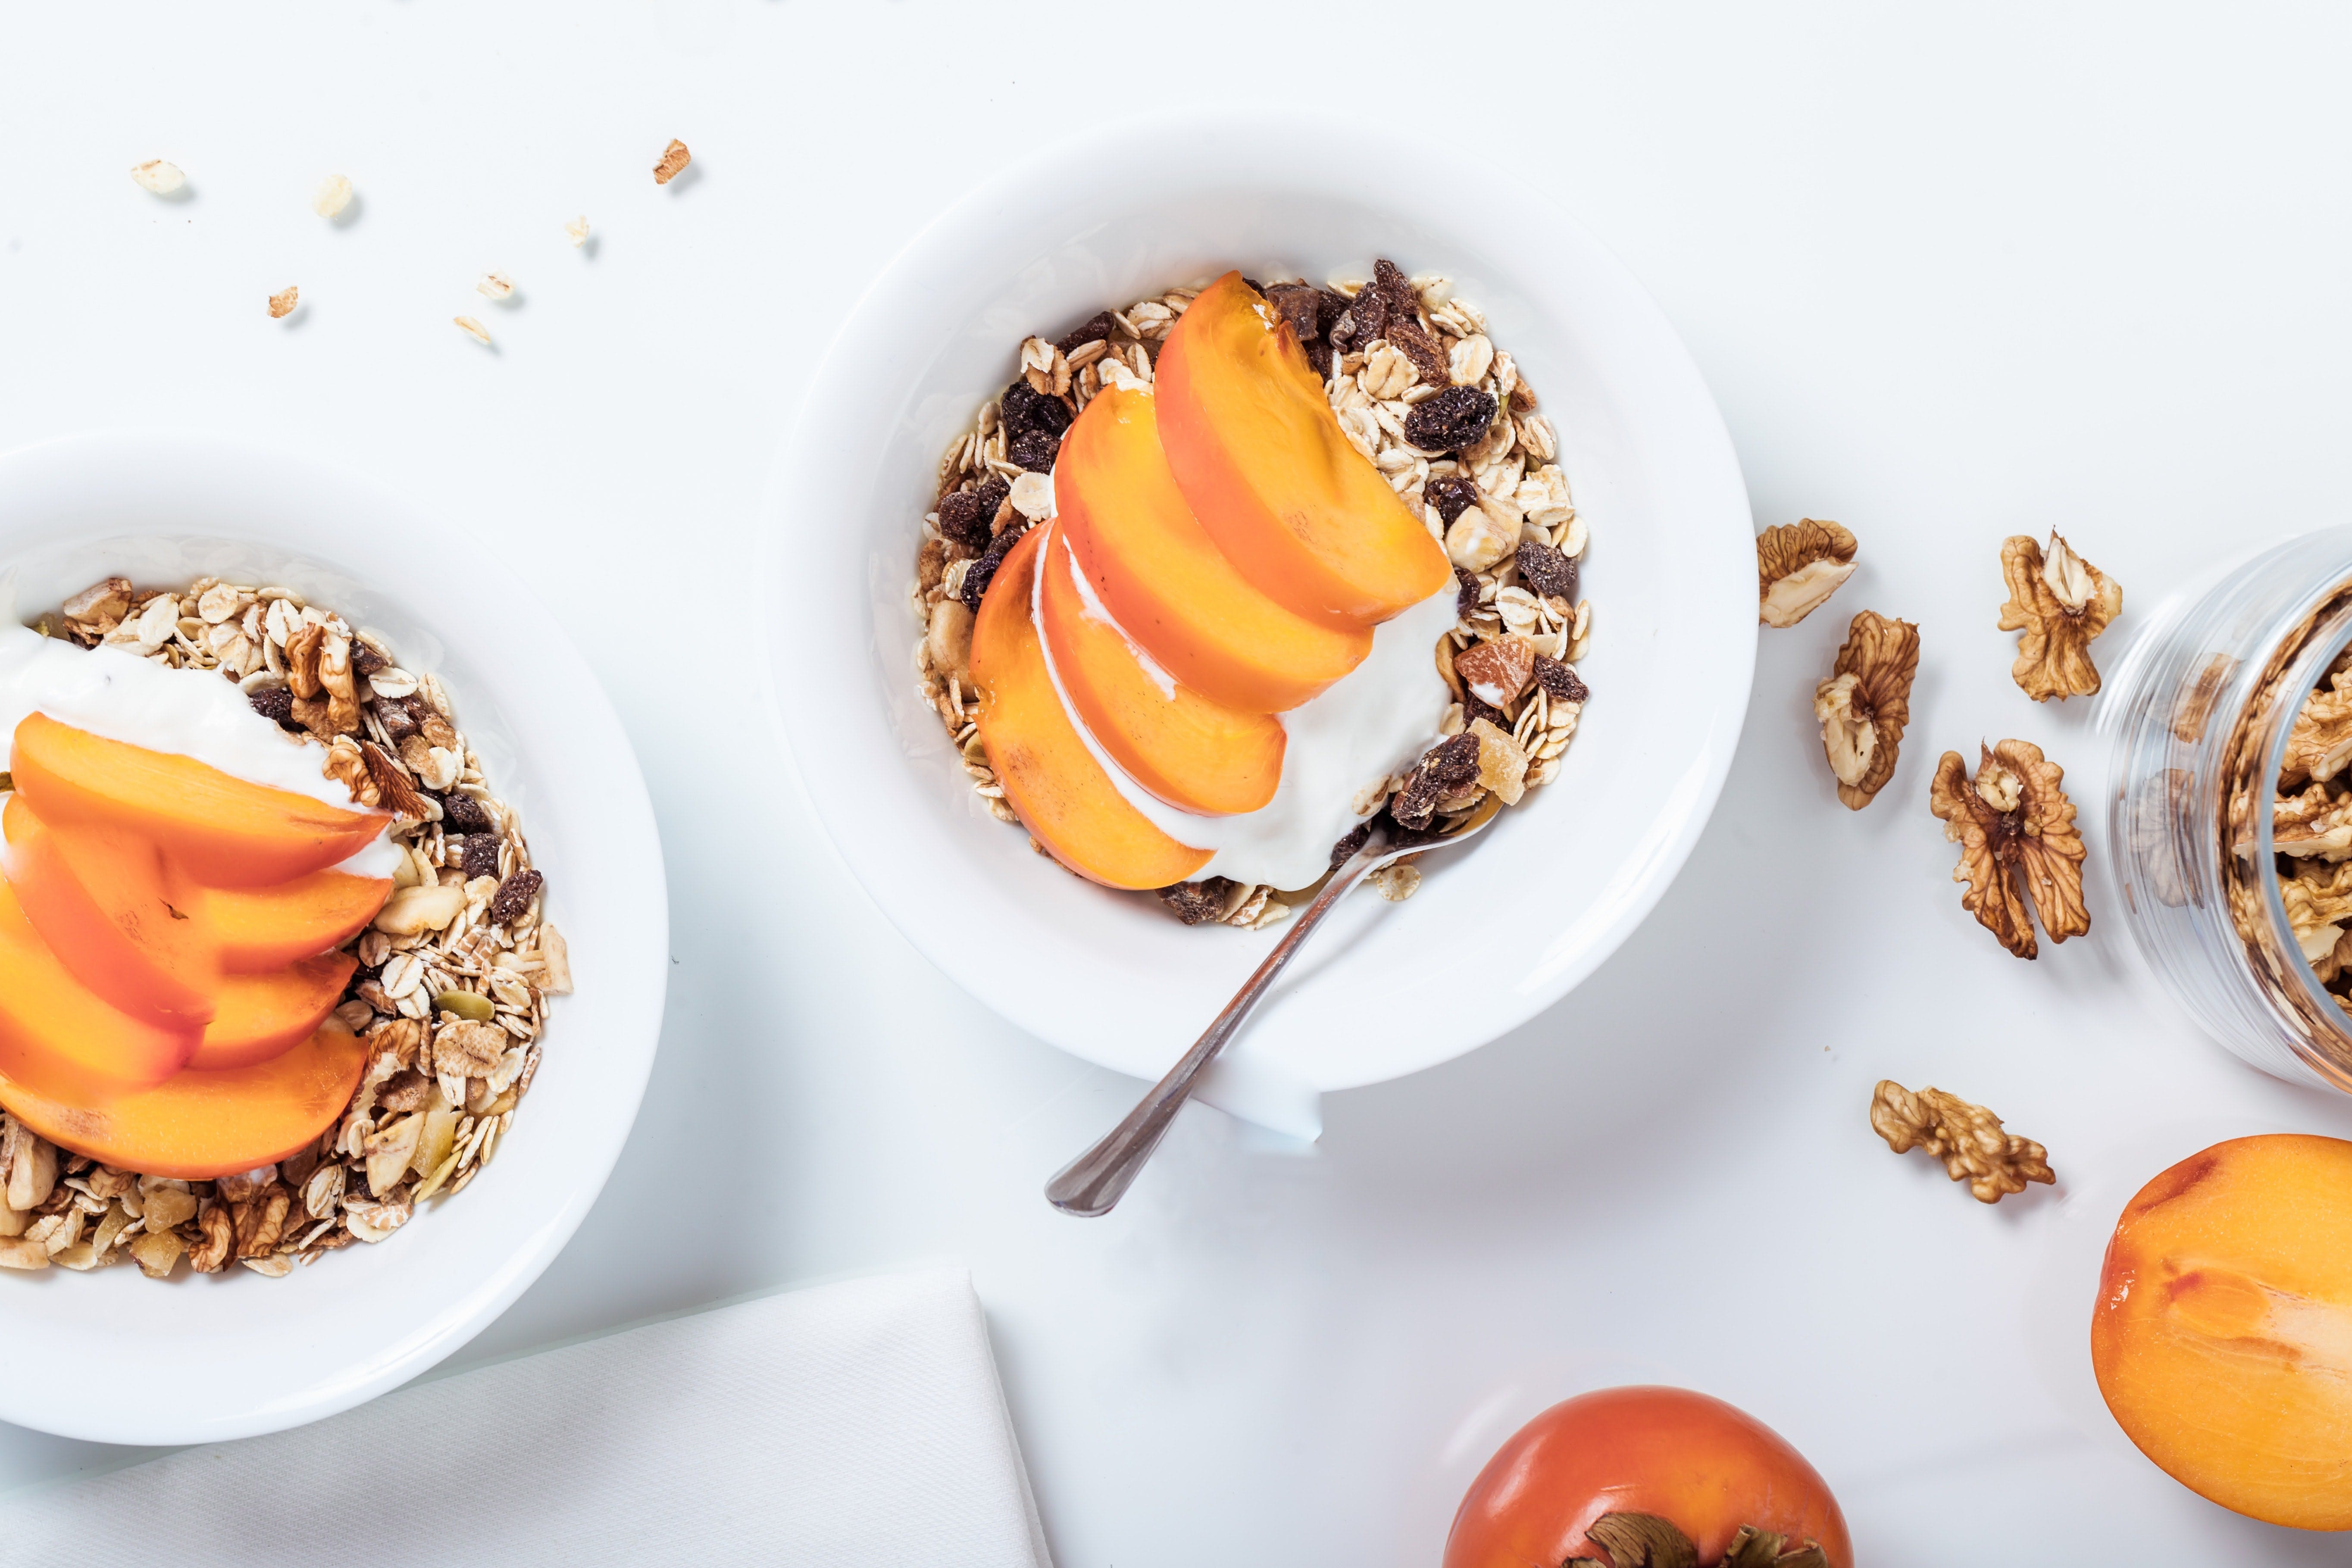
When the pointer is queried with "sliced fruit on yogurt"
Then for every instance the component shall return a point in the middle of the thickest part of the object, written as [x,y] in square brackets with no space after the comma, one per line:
[1261,459]
[1165,582]
[198,1125]
[263,930]
[1194,753]
[63,1039]
[261,1016]
[120,919]
[223,831]
[1050,779]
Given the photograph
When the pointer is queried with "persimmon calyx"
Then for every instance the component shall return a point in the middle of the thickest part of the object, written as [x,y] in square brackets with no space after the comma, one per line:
[1646,1540]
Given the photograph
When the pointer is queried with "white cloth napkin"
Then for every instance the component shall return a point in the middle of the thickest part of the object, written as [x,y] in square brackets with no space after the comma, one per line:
[853,1424]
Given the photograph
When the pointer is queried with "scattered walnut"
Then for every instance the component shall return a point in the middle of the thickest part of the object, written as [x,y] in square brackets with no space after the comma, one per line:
[2320,744]
[1865,703]
[1967,1138]
[2016,831]
[1798,566]
[2060,603]
[260,1220]
[674,158]
[282,303]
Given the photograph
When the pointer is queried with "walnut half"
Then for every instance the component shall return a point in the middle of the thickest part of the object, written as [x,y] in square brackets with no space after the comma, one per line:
[2060,602]
[1967,1138]
[1865,703]
[1798,566]
[2016,832]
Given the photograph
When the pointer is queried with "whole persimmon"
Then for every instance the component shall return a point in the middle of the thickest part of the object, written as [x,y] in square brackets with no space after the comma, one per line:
[1655,1473]
[2222,1335]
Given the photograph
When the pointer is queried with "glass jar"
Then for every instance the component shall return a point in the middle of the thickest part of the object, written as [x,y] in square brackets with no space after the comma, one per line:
[2206,700]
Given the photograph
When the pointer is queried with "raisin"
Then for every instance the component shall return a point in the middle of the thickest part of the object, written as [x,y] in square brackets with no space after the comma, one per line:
[1453,761]
[397,724]
[1196,901]
[1318,354]
[1329,306]
[1396,288]
[964,515]
[1455,418]
[515,895]
[1033,450]
[1356,839]
[1546,571]
[1558,679]
[981,572]
[464,813]
[1467,599]
[481,857]
[1366,321]
[1474,710]
[275,703]
[1094,331]
[367,658]
[1026,408]
[1420,347]
[1451,494]
[1298,305]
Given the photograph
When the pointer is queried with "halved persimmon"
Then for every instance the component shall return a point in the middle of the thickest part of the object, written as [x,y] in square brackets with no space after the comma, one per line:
[225,832]
[199,1125]
[263,930]
[262,1015]
[1194,753]
[1164,580]
[60,1037]
[1259,454]
[117,915]
[1050,778]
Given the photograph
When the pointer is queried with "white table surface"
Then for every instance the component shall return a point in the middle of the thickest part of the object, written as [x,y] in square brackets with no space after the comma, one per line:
[1951,277]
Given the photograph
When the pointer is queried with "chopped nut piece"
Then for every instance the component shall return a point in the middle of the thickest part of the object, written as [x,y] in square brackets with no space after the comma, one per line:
[1865,703]
[1798,566]
[674,158]
[101,603]
[2016,831]
[495,285]
[1496,672]
[210,1255]
[473,329]
[413,911]
[157,176]
[282,303]
[2060,603]
[2320,744]
[576,231]
[1967,1138]
[333,194]
[260,1220]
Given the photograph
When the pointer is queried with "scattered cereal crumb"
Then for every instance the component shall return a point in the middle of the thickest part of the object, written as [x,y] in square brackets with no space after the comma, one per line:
[674,158]
[577,230]
[474,329]
[158,176]
[333,194]
[495,285]
[282,303]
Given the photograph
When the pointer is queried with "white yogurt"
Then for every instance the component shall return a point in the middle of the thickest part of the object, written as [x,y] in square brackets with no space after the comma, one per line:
[1376,719]
[192,713]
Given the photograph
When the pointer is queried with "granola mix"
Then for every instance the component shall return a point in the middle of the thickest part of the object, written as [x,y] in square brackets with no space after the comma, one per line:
[454,975]
[1423,393]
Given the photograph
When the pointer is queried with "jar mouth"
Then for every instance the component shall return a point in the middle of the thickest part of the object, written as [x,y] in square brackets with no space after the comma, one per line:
[2328,638]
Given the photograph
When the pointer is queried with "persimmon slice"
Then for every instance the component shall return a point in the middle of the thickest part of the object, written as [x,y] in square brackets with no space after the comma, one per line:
[263,930]
[199,1125]
[223,831]
[59,1037]
[262,1015]
[120,919]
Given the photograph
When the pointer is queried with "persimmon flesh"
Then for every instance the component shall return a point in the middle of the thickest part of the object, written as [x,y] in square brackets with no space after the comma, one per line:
[263,930]
[59,1036]
[2222,1336]
[262,1015]
[1705,1466]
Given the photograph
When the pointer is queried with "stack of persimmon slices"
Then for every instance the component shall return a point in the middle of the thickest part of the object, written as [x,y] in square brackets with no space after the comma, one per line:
[1218,554]
[169,963]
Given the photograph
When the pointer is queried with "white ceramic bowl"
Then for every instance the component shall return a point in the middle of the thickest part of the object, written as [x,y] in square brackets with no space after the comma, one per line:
[117,1358]
[1495,934]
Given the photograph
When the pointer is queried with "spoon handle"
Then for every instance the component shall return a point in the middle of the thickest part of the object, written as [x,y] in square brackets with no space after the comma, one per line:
[1094,1182]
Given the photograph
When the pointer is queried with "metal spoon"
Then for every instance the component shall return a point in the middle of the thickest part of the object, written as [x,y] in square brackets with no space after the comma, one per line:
[1091,1184]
